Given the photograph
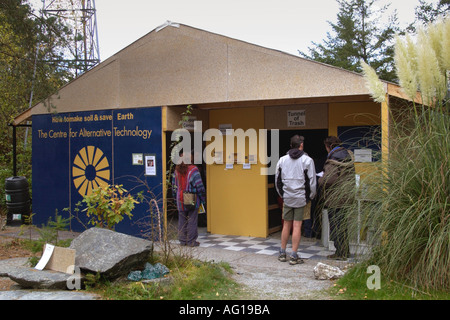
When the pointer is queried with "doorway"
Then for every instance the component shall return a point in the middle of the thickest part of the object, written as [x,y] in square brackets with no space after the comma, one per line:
[172,212]
[314,147]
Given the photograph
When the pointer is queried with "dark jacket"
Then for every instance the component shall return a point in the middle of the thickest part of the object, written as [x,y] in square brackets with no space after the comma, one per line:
[338,180]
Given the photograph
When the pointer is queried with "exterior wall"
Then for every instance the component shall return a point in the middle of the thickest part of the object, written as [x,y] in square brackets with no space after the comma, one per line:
[74,153]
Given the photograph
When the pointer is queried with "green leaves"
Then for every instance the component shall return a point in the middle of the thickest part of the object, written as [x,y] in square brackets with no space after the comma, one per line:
[108,205]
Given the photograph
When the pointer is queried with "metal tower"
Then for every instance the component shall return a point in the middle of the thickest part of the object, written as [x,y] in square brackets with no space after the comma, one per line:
[80,16]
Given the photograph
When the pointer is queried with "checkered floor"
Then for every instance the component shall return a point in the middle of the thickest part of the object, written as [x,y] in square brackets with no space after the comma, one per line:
[308,249]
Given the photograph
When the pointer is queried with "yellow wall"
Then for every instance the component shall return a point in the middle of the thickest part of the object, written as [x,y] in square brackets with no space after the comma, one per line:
[237,198]
[354,114]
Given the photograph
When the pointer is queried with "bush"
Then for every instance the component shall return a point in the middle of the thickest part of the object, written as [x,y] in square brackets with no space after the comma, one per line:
[107,205]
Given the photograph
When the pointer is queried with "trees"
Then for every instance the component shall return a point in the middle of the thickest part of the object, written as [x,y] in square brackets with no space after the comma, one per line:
[427,12]
[29,45]
[359,34]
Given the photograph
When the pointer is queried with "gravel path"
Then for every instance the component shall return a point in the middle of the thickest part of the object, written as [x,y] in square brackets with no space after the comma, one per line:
[264,277]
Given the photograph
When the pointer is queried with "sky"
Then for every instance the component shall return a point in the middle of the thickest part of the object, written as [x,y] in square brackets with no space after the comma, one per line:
[285,25]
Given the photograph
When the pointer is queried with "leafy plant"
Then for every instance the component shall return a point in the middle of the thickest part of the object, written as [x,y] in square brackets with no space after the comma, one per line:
[108,205]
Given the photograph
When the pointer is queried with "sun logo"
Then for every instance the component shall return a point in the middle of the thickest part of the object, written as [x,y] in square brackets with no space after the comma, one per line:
[90,170]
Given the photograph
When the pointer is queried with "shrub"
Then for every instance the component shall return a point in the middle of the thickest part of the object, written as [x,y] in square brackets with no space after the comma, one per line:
[107,205]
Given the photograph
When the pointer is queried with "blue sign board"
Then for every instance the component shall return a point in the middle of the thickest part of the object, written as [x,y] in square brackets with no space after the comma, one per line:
[75,153]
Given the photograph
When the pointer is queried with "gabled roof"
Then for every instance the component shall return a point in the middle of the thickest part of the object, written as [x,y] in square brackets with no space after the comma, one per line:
[181,65]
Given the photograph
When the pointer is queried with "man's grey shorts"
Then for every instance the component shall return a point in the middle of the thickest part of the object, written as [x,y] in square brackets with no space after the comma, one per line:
[290,214]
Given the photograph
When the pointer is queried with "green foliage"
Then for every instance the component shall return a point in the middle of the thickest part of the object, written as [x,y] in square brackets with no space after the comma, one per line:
[29,47]
[50,232]
[353,286]
[194,281]
[107,205]
[359,34]
[428,12]
[411,242]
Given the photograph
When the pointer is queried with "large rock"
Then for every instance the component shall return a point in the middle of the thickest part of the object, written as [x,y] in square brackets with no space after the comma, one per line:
[35,279]
[110,253]
[326,272]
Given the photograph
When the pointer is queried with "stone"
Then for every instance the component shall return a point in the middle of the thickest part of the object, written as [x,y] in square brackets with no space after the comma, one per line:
[47,295]
[326,272]
[39,279]
[110,253]
[10,264]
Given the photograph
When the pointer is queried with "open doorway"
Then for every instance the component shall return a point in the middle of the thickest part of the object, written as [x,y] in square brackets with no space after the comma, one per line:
[172,212]
[314,147]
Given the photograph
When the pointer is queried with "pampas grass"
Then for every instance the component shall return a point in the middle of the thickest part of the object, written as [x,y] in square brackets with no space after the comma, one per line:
[411,223]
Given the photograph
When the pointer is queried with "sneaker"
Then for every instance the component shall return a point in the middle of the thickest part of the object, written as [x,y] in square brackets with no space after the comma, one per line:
[282,257]
[295,260]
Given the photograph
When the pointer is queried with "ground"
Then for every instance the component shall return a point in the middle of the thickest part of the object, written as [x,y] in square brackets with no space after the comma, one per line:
[262,277]
[11,248]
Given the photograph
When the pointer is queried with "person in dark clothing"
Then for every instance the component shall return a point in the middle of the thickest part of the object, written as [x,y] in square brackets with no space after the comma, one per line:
[317,204]
[338,175]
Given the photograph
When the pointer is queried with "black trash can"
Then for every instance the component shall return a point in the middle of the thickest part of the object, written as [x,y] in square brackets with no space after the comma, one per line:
[18,200]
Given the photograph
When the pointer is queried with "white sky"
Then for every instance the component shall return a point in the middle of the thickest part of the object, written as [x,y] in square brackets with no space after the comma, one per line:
[285,25]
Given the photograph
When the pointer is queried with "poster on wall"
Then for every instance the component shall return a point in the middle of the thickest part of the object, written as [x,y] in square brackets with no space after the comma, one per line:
[150,165]
[138,159]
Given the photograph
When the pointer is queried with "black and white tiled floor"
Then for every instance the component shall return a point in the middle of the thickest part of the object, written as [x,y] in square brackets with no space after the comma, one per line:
[308,249]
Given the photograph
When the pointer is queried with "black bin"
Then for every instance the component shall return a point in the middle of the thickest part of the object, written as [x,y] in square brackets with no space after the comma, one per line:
[18,200]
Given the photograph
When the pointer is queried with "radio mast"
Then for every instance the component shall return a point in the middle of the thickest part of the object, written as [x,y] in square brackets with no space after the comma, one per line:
[80,16]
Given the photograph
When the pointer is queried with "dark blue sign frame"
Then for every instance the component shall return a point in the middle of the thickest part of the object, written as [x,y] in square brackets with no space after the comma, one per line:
[75,152]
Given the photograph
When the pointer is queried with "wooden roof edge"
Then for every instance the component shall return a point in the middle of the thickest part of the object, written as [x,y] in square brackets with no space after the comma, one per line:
[22,117]
[396,91]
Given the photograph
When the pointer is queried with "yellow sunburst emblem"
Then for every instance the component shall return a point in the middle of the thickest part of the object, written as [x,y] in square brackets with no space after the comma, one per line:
[90,170]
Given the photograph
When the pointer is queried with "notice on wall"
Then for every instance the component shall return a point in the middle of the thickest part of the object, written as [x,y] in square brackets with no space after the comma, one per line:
[363,155]
[150,165]
[138,159]
[296,118]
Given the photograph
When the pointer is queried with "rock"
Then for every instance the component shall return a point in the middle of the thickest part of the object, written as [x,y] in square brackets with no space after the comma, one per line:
[110,253]
[10,264]
[36,279]
[326,272]
[46,295]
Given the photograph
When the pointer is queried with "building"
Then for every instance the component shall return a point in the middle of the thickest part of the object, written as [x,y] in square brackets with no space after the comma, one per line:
[108,125]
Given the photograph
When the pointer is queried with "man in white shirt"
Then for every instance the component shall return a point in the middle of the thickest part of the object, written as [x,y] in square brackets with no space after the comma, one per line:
[291,184]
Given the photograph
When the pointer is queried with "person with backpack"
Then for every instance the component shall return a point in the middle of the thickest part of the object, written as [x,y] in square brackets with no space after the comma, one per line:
[336,185]
[189,192]
[295,175]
